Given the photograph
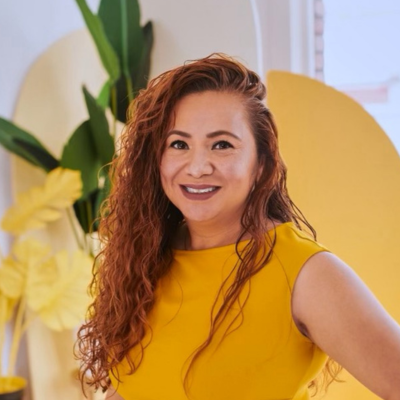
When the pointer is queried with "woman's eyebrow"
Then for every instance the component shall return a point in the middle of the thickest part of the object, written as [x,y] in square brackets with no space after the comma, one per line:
[209,135]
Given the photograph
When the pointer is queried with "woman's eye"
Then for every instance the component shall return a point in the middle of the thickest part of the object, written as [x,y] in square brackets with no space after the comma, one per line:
[223,144]
[178,144]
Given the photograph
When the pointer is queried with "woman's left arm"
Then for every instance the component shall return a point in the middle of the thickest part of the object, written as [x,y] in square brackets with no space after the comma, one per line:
[346,321]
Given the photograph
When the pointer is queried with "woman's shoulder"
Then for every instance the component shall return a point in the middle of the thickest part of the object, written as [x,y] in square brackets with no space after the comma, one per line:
[293,247]
[290,234]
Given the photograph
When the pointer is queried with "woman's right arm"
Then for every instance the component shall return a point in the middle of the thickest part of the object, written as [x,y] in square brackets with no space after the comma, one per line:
[112,394]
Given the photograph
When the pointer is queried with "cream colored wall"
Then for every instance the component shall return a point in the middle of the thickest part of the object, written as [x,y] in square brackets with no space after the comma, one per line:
[187,30]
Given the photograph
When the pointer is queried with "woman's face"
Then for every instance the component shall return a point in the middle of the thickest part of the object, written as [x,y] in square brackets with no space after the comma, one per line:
[209,162]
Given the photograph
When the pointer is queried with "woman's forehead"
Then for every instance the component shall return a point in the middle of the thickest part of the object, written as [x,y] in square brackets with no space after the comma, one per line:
[208,111]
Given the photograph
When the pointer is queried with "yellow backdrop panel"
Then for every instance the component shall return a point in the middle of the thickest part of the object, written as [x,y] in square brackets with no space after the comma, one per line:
[344,175]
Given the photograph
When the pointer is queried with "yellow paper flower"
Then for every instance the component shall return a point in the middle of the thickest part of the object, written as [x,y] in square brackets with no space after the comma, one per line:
[63,304]
[6,308]
[16,272]
[43,204]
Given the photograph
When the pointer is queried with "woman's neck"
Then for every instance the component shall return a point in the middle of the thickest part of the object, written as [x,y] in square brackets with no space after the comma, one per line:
[199,236]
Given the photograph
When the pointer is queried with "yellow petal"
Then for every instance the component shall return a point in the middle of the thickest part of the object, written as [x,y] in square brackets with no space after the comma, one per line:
[30,251]
[64,303]
[12,278]
[63,187]
[43,276]
[6,308]
[42,204]
[15,270]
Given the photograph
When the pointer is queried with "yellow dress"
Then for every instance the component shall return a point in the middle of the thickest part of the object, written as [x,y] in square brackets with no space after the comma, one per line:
[263,356]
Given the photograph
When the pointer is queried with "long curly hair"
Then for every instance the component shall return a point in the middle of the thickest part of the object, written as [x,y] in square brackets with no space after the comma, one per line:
[138,222]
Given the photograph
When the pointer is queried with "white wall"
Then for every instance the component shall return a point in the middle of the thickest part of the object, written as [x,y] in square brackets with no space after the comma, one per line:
[27,28]
[361,52]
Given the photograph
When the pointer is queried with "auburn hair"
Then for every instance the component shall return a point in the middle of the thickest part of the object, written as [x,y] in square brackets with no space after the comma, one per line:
[138,222]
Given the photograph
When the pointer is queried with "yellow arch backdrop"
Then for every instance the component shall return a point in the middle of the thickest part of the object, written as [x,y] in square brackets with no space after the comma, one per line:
[344,175]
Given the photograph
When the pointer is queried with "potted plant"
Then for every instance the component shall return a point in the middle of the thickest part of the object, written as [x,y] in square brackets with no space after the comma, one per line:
[124,47]
[34,281]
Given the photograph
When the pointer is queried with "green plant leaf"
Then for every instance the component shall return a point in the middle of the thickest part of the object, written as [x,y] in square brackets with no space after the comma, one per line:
[102,194]
[42,157]
[104,96]
[25,145]
[84,211]
[103,141]
[139,76]
[121,21]
[133,44]
[106,52]
[88,210]
[142,74]
[80,154]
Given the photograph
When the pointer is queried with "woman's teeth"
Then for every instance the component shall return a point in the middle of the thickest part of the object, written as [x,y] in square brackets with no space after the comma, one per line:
[206,190]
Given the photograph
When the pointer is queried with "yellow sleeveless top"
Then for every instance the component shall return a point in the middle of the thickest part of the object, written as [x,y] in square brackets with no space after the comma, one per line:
[263,355]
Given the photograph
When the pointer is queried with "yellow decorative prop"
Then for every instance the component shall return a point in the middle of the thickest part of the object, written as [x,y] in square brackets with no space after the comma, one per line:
[6,307]
[63,304]
[344,174]
[39,205]
[35,282]
[11,384]
[15,273]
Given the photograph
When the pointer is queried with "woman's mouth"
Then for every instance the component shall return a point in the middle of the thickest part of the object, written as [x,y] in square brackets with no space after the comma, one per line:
[205,190]
[199,192]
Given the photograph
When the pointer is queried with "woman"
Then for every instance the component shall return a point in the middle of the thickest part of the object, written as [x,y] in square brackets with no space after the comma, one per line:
[207,286]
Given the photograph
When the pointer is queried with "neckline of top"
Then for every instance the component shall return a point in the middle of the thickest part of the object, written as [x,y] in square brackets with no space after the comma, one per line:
[227,246]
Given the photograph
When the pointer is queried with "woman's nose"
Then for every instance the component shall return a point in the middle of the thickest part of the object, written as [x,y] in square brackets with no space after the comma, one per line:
[199,163]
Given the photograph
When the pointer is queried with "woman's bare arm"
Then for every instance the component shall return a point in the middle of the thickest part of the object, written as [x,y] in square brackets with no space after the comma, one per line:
[112,394]
[345,320]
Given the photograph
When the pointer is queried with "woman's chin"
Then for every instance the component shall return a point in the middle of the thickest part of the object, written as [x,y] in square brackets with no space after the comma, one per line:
[202,218]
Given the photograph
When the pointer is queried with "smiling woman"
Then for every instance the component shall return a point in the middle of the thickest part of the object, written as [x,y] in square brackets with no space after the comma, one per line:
[207,286]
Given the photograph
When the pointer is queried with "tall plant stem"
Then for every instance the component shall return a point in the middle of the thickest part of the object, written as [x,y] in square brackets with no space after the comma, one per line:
[114,109]
[75,232]
[88,243]
[17,334]
[129,88]
[27,322]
